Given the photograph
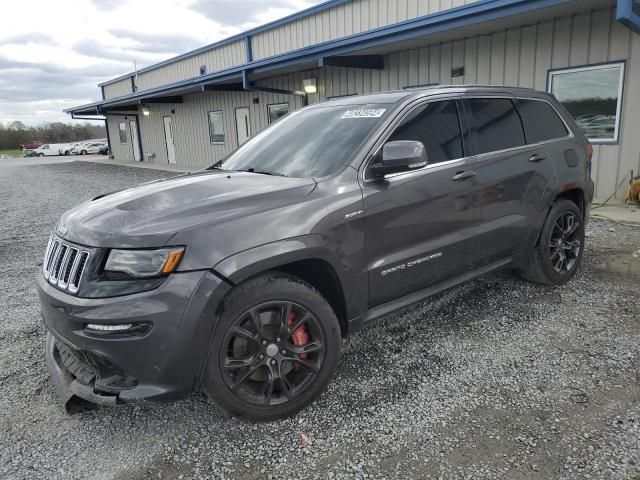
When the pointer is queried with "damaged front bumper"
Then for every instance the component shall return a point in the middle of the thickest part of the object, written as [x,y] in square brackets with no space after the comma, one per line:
[163,360]
[69,388]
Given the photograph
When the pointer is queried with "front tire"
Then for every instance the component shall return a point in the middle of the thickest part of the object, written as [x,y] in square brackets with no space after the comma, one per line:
[275,348]
[83,152]
[558,253]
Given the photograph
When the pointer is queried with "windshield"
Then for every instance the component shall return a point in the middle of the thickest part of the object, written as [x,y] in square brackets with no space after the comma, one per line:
[308,144]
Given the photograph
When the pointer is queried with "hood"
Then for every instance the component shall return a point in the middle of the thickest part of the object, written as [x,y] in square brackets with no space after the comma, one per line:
[150,214]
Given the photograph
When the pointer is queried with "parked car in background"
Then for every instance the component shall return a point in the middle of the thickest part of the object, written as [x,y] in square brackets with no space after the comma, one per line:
[104,150]
[363,205]
[31,145]
[48,150]
[87,149]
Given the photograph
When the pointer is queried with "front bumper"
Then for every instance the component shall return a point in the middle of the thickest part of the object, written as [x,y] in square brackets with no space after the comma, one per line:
[164,362]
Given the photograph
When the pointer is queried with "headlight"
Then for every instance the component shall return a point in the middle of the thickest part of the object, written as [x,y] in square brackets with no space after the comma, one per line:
[144,263]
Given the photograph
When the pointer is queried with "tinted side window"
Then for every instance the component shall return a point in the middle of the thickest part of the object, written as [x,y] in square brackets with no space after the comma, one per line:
[495,124]
[437,126]
[541,121]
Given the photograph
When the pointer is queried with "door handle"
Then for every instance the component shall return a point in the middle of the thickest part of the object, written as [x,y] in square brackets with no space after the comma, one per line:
[463,175]
[535,158]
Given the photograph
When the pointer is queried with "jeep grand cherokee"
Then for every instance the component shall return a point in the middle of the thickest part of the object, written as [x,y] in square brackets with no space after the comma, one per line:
[241,279]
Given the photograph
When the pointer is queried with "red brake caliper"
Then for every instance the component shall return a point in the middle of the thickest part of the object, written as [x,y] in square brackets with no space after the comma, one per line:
[299,337]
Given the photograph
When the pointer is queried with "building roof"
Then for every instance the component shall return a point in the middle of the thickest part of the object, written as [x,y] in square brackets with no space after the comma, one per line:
[467,16]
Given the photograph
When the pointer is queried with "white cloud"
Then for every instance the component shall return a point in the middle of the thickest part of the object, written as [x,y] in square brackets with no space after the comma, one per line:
[56,57]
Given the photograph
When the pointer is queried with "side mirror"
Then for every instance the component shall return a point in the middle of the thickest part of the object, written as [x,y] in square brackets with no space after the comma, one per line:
[400,156]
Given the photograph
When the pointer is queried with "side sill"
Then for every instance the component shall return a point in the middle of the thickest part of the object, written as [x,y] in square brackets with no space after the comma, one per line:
[399,303]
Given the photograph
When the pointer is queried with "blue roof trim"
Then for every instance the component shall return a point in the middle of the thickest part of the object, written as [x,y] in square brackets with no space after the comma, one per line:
[464,16]
[626,15]
[262,28]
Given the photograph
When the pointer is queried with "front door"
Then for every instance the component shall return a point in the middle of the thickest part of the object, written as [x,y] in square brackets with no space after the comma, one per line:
[421,225]
[168,136]
[137,154]
[243,128]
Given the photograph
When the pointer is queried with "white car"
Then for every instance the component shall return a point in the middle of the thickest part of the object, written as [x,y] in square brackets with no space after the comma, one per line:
[47,150]
[87,149]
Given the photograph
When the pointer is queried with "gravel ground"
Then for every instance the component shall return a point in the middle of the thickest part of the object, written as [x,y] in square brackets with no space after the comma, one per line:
[498,378]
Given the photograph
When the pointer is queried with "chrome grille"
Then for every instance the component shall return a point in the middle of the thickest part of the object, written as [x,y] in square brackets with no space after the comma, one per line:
[64,264]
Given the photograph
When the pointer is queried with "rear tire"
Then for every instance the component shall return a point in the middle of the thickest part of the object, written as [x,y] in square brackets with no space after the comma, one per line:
[556,257]
[83,152]
[275,347]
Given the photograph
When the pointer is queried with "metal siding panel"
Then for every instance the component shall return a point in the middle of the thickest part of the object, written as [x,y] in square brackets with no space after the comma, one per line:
[600,29]
[471,60]
[498,46]
[434,64]
[630,147]
[457,60]
[446,51]
[527,60]
[484,59]
[414,67]
[403,69]
[579,54]
[401,10]
[561,42]
[544,53]
[512,57]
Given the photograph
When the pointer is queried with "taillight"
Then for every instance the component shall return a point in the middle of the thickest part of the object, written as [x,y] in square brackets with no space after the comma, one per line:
[589,151]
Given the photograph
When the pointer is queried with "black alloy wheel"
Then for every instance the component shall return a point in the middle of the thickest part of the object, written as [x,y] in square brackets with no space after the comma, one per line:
[275,347]
[555,259]
[272,352]
[565,243]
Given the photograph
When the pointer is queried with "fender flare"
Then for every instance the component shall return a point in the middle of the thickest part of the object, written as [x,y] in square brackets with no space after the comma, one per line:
[248,263]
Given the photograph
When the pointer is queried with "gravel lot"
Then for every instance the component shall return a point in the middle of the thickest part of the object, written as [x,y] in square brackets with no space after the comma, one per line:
[498,378]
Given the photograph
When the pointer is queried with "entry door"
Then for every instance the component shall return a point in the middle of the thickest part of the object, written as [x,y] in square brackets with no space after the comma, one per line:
[421,226]
[168,136]
[242,125]
[137,154]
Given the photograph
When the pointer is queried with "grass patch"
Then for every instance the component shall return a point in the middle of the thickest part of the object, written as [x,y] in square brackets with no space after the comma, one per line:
[11,153]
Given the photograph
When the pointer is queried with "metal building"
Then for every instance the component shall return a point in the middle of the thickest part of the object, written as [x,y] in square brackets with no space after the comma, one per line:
[194,109]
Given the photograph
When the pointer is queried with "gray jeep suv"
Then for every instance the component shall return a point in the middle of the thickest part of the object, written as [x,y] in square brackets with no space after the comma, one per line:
[242,278]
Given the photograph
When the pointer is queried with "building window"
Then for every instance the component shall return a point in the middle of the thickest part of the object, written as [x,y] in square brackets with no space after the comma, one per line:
[122,131]
[593,97]
[216,127]
[277,110]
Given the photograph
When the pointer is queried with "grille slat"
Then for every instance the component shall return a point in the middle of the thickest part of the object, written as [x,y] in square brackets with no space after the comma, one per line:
[64,264]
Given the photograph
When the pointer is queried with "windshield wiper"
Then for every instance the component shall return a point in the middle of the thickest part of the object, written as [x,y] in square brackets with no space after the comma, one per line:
[264,172]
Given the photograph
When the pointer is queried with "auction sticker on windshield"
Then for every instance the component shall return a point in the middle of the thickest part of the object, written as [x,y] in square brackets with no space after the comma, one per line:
[366,113]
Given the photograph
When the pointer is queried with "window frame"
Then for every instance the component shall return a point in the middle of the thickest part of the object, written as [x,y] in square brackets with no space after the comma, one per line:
[279,104]
[591,67]
[390,128]
[224,133]
[470,135]
[121,131]
[569,130]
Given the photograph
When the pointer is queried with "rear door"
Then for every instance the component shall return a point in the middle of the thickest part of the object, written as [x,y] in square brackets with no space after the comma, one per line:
[514,175]
[420,226]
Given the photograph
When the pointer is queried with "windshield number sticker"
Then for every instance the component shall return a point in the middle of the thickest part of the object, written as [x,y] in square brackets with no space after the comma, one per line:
[368,113]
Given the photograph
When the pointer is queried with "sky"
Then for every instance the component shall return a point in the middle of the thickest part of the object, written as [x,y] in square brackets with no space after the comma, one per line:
[53,53]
